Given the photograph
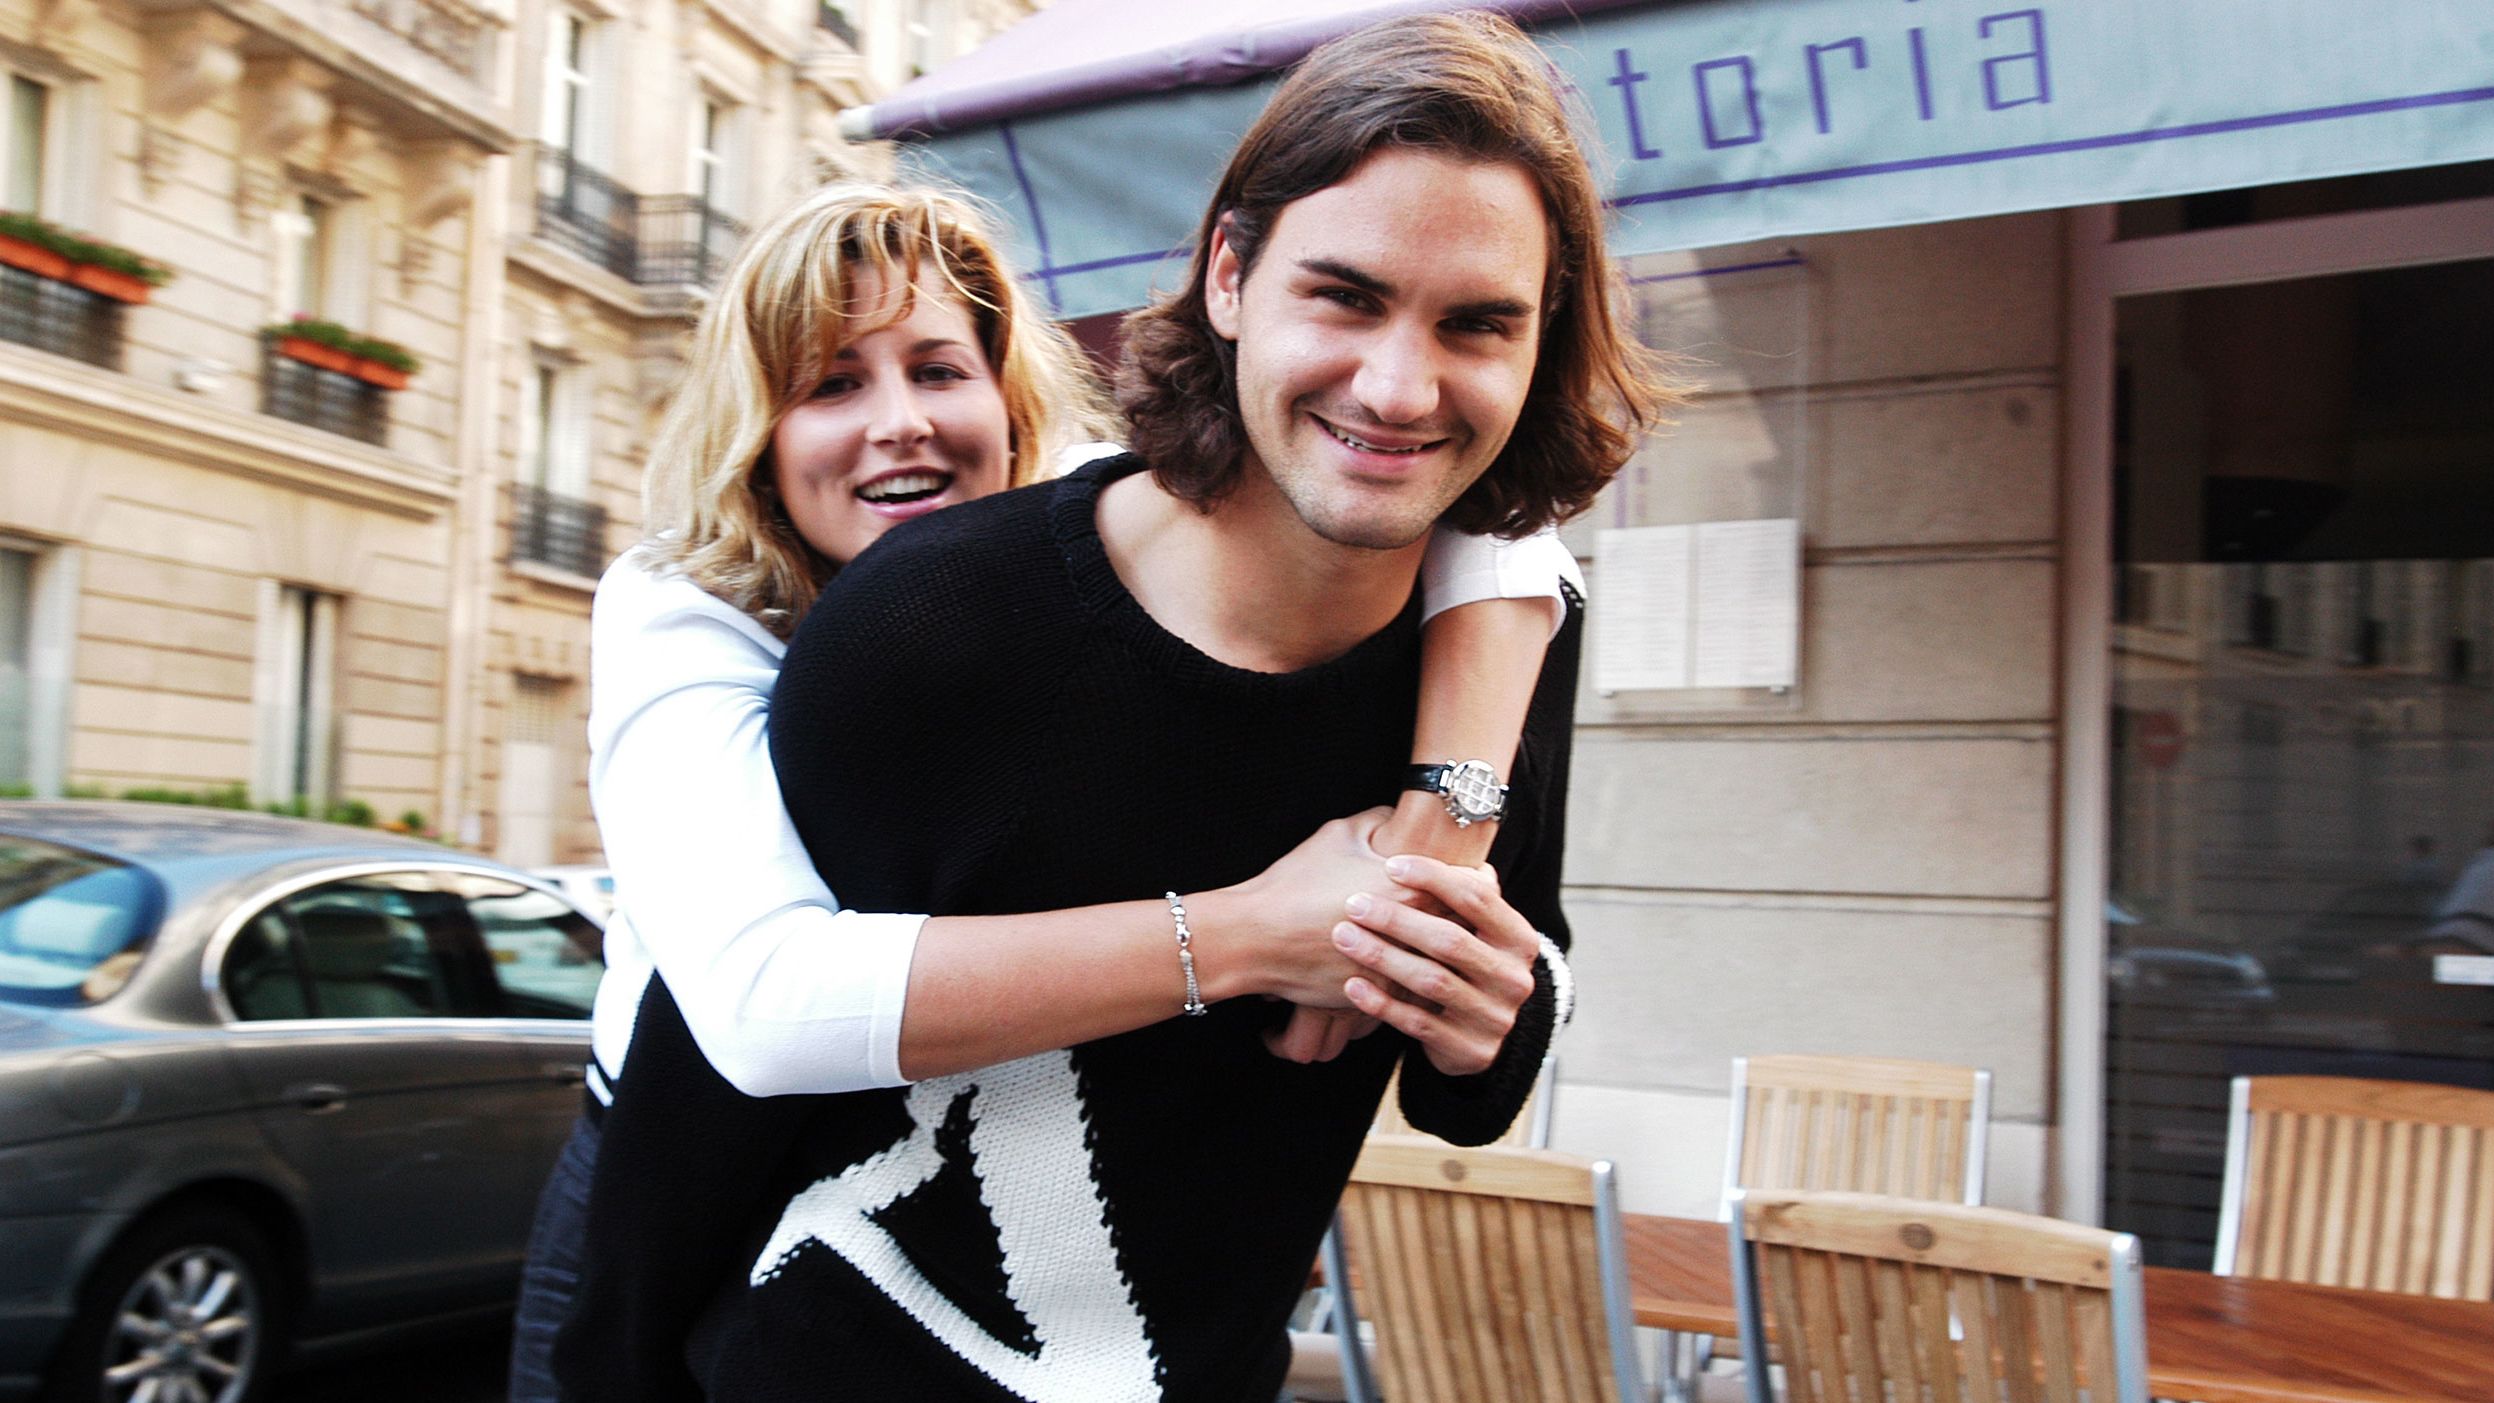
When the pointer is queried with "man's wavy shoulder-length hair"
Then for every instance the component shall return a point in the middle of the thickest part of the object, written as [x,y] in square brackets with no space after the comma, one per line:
[1467,85]
[791,299]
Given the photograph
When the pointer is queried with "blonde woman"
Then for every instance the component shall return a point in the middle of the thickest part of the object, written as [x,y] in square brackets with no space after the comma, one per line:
[868,360]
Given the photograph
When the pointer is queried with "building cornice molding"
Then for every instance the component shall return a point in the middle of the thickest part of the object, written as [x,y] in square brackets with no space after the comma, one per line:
[740,19]
[100,406]
[458,107]
[566,269]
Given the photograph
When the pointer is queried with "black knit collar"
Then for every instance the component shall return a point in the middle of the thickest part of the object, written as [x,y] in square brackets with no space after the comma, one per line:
[1073,518]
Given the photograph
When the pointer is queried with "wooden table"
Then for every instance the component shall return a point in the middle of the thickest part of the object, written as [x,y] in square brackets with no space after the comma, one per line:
[2210,1338]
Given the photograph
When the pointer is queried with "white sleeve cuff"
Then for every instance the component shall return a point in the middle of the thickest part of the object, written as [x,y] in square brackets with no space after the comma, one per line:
[1461,569]
[808,1000]
[1562,985]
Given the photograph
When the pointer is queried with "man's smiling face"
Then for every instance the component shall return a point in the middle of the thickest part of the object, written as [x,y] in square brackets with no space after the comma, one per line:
[1386,339]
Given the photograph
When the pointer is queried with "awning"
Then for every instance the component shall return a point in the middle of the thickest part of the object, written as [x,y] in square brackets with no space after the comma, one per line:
[1099,126]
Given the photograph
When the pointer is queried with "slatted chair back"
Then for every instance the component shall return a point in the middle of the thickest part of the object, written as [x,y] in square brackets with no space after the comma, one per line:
[1530,1130]
[1865,1124]
[1489,1273]
[2340,1181]
[1873,1299]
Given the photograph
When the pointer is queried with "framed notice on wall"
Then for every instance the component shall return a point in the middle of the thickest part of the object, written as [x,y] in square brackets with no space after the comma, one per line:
[1714,604]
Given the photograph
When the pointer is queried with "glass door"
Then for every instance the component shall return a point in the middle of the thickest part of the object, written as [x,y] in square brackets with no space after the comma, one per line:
[2300,844]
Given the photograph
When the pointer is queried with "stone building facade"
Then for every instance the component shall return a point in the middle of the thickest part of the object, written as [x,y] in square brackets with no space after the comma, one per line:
[226,570]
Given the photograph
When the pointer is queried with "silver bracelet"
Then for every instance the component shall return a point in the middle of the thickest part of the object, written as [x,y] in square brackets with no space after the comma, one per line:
[1186,957]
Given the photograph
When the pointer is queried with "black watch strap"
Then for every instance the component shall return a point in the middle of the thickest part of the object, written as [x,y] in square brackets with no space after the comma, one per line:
[1470,788]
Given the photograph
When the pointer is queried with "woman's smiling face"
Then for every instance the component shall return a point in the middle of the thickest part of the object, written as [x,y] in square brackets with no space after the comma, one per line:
[907,420]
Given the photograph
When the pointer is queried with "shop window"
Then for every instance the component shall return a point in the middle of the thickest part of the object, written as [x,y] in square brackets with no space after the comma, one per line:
[2289,812]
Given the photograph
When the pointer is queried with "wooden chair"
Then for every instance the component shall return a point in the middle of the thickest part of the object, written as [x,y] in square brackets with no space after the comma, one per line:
[1489,1273]
[1530,1130]
[1865,1124]
[2338,1181]
[1868,1124]
[1872,1299]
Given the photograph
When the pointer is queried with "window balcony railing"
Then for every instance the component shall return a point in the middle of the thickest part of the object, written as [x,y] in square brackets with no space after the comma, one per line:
[652,240]
[59,317]
[330,400]
[557,531]
[684,241]
[836,22]
[585,210]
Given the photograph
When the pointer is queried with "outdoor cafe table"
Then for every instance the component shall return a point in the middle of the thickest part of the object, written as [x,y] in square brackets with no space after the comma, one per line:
[2213,1339]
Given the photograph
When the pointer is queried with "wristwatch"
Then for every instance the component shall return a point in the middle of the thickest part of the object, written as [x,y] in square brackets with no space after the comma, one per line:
[1470,788]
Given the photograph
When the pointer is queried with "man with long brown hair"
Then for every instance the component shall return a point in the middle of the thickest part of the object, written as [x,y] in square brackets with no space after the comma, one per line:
[1145,674]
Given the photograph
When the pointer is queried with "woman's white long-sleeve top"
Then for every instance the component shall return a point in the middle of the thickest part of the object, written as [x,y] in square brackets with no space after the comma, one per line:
[784,990]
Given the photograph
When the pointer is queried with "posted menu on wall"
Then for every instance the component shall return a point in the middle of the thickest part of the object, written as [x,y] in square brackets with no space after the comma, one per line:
[1711,605]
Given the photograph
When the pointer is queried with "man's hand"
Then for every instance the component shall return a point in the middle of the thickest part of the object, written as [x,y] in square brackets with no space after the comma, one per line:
[1453,990]
[1318,1034]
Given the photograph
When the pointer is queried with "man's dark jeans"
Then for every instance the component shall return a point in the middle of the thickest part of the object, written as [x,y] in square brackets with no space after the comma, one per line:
[551,1279]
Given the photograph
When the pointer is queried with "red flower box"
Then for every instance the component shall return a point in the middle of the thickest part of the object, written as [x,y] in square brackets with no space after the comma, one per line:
[314,353]
[374,372]
[121,287]
[35,259]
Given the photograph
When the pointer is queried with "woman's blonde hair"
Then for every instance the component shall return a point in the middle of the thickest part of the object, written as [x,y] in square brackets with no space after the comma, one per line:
[788,304]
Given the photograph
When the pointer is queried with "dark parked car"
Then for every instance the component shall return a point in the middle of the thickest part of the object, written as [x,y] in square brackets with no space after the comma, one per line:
[264,1083]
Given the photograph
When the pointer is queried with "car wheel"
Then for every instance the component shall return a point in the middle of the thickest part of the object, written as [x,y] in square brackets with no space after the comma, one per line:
[184,1309]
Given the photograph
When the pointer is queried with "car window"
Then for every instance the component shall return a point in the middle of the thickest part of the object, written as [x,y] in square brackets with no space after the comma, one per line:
[262,978]
[67,920]
[386,946]
[545,954]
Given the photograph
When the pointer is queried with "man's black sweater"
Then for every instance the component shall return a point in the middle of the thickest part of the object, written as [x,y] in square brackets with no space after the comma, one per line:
[979,719]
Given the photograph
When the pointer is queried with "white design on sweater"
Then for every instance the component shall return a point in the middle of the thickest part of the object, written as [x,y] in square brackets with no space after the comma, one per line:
[1036,1180]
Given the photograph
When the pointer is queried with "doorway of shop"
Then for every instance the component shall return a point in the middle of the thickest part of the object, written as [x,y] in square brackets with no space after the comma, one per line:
[2297,741]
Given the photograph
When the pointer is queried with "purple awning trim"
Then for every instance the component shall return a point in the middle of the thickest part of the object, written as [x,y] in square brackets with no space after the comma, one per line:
[1053,60]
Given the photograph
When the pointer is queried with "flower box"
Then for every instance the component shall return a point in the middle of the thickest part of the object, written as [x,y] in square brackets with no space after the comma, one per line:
[34,258]
[373,372]
[330,346]
[111,282]
[315,353]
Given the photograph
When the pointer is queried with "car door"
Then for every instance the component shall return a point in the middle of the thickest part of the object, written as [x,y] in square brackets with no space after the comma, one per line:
[546,963]
[369,1034]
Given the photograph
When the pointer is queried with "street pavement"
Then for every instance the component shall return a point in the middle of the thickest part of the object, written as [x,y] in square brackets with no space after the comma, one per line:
[466,1367]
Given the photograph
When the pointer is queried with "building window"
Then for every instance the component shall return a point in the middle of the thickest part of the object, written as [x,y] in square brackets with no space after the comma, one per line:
[929,24]
[294,695]
[17,701]
[2269,606]
[534,782]
[836,18]
[553,522]
[38,598]
[57,317]
[2471,646]
[329,400]
[307,231]
[688,239]
[567,83]
[710,156]
[579,206]
[27,155]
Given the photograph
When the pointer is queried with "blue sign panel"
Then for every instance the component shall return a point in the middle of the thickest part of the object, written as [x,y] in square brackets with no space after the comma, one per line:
[1725,121]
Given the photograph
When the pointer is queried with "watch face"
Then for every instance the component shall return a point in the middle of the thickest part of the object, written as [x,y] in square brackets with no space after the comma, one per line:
[1473,788]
